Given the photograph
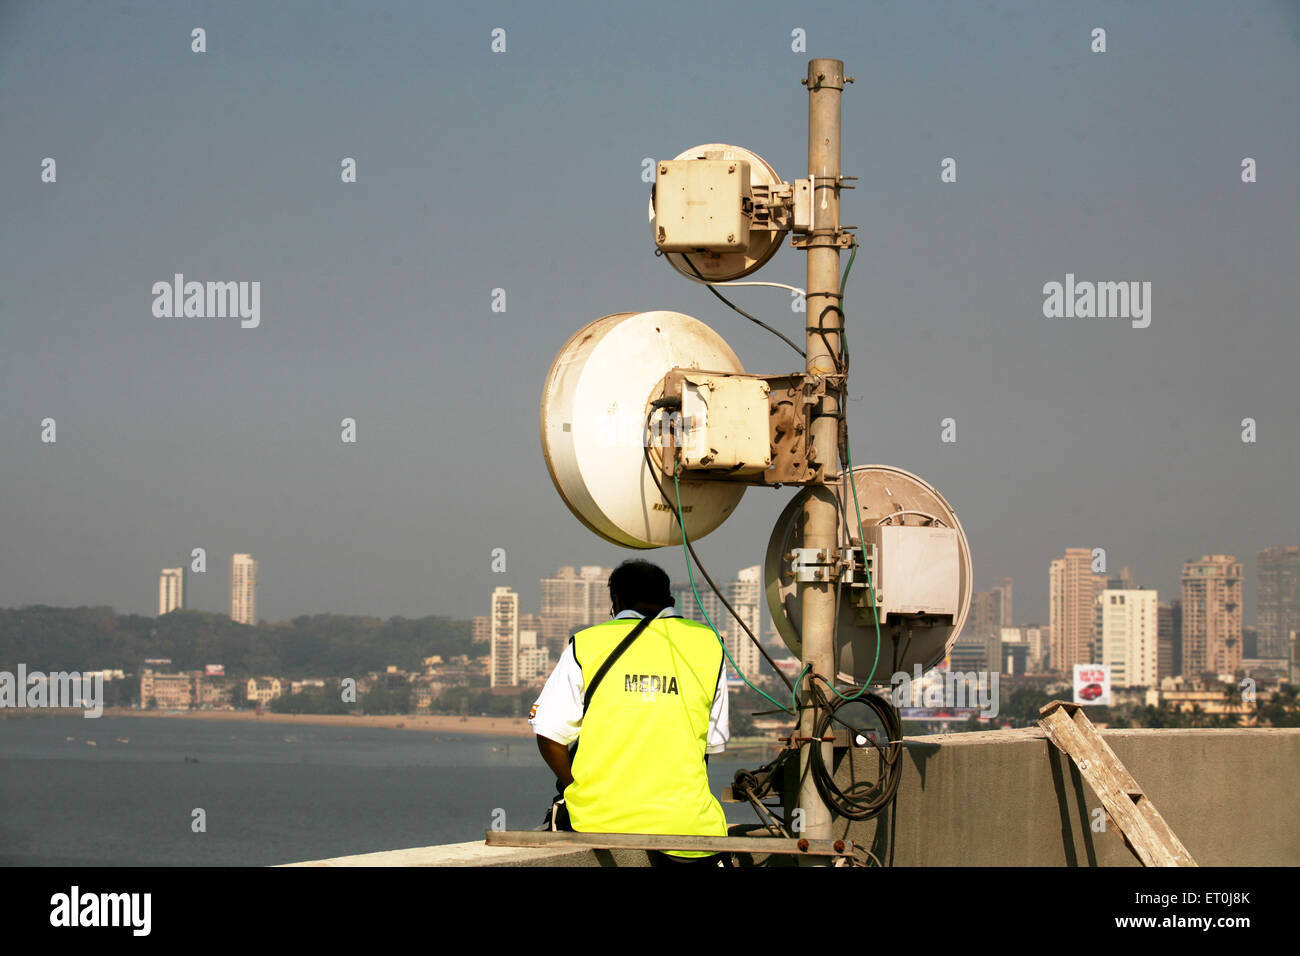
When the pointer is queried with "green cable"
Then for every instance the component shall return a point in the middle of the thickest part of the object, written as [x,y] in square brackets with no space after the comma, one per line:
[862,537]
[845,279]
[871,588]
[681,523]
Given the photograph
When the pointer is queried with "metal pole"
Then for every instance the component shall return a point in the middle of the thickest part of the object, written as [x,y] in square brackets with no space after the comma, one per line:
[825,85]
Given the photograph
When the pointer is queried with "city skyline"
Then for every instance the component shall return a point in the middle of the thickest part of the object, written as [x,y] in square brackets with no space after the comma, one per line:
[989,610]
[180,433]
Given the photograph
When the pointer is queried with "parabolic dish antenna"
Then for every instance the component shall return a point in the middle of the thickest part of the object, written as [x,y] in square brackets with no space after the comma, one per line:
[593,426]
[725,266]
[888,498]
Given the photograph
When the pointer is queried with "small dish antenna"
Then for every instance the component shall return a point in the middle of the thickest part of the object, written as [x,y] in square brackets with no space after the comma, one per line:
[922,575]
[596,404]
[714,266]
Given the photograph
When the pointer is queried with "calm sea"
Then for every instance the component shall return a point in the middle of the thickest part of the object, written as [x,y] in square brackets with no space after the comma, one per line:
[270,793]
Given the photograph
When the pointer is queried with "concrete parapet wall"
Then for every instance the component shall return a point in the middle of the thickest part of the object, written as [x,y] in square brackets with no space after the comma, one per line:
[1009,798]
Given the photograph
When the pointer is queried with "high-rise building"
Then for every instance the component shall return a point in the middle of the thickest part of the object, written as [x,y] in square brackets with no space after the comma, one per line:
[974,653]
[1124,580]
[1128,636]
[534,658]
[503,669]
[1074,589]
[985,617]
[1212,615]
[481,629]
[684,600]
[573,598]
[171,590]
[243,589]
[1039,640]
[1170,655]
[745,594]
[1278,600]
[1014,653]
[1003,590]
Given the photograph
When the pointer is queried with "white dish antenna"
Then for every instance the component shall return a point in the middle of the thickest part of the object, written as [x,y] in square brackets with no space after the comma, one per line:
[726,266]
[888,498]
[595,404]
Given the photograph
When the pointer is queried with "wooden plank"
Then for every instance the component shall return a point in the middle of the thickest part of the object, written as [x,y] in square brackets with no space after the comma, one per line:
[1168,840]
[1147,834]
[1121,808]
[655,841]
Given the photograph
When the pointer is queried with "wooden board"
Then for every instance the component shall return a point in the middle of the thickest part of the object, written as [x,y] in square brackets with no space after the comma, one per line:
[662,842]
[1145,832]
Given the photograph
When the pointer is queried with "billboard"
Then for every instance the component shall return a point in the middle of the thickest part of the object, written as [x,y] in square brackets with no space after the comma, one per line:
[215,670]
[1092,684]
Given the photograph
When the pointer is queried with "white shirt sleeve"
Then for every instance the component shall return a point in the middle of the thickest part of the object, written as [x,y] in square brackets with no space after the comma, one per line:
[719,718]
[557,714]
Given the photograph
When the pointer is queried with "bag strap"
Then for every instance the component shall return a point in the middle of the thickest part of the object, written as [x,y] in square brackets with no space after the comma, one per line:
[614,656]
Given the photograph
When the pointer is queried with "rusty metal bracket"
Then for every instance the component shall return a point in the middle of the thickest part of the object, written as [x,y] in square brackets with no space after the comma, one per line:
[823,239]
[793,401]
[794,741]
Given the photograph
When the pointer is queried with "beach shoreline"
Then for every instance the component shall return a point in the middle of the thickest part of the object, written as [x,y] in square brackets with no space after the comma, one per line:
[435,724]
[515,727]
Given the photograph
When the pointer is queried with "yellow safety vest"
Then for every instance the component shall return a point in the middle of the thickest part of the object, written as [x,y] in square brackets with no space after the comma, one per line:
[640,761]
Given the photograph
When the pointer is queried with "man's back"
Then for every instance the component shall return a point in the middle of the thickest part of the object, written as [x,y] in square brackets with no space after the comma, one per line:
[640,764]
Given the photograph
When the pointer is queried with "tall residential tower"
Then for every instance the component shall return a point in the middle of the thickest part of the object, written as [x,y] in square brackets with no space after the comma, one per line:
[1278,612]
[1212,616]
[1074,589]
[243,589]
[505,638]
[171,590]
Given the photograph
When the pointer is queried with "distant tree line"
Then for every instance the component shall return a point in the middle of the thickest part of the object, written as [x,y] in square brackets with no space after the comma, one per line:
[322,645]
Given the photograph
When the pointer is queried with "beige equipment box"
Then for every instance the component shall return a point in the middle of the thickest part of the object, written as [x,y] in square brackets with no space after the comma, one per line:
[703,205]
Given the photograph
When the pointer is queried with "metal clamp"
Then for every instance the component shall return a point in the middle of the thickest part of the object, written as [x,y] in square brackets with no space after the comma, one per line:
[814,565]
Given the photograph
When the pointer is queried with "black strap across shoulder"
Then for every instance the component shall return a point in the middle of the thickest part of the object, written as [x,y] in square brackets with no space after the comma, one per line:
[614,655]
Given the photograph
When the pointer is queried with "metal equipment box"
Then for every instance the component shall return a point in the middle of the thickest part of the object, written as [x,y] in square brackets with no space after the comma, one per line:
[727,423]
[703,205]
[917,570]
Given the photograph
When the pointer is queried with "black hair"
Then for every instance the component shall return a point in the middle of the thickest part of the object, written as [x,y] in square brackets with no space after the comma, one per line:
[639,582]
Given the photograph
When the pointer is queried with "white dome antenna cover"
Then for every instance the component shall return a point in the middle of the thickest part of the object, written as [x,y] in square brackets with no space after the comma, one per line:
[594,407]
[726,266]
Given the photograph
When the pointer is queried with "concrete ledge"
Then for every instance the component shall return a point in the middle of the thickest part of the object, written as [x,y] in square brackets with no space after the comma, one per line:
[477,853]
[1010,798]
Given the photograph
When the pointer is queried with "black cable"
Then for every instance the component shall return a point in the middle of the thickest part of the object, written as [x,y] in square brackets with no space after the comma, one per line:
[861,801]
[645,450]
[839,355]
[731,305]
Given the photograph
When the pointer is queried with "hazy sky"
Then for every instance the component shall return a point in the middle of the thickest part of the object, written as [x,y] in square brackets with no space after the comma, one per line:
[522,171]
